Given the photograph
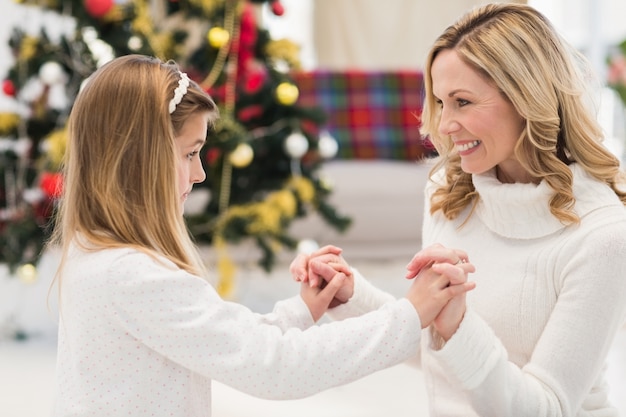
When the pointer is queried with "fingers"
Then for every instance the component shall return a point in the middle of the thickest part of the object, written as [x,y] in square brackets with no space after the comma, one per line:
[326,250]
[318,300]
[335,261]
[339,267]
[298,268]
[455,274]
[456,290]
[324,271]
[328,293]
[434,254]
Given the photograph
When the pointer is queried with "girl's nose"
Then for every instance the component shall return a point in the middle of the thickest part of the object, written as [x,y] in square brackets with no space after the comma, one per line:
[198,175]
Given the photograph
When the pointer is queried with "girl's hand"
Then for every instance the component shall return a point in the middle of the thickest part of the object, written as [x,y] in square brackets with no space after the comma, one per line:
[300,270]
[319,299]
[306,269]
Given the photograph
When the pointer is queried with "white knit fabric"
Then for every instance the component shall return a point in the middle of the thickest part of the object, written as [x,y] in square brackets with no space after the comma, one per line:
[548,303]
[139,337]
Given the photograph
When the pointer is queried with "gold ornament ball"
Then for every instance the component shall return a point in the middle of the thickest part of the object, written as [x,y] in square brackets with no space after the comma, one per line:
[326,183]
[218,37]
[27,273]
[287,93]
[241,156]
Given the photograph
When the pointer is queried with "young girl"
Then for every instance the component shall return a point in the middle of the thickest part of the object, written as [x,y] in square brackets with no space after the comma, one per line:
[141,331]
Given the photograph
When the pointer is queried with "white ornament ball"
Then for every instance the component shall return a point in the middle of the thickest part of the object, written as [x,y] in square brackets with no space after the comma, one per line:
[327,146]
[307,246]
[296,145]
[135,43]
[33,195]
[52,73]
[57,97]
[241,156]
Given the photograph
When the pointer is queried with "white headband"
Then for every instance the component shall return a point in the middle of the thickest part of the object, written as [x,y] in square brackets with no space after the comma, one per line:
[179,92]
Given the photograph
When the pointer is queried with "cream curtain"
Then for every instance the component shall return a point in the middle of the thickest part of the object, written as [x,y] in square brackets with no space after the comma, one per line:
[380,34]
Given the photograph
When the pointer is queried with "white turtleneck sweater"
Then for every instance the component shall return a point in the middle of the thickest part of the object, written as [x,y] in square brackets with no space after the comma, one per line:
[548,303]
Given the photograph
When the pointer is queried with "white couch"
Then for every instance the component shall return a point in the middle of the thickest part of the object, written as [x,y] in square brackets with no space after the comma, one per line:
[385,201]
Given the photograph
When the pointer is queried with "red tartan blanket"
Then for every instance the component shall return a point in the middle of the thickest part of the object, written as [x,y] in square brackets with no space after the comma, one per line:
[372,115]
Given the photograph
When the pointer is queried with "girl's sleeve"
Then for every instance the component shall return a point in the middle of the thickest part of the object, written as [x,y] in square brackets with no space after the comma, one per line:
[571,352]
[289,313]
[181,317]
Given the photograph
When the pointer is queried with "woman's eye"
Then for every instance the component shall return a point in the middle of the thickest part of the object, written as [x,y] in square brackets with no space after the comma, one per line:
[462,102]
[192,154]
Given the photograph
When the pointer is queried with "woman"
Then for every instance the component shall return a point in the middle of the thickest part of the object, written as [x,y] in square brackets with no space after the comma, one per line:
[525,187]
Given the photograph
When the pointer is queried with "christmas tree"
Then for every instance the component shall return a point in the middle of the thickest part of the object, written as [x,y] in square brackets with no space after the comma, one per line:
[262,162]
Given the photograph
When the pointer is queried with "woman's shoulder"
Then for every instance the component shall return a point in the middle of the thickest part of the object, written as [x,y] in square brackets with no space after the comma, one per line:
[592,195]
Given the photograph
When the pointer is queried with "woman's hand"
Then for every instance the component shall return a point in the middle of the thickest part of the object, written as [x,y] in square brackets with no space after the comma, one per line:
[435,286]
[448,320]
[430,255]
[444,272]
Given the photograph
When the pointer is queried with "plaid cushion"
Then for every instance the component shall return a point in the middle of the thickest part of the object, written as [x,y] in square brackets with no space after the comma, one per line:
[372,115]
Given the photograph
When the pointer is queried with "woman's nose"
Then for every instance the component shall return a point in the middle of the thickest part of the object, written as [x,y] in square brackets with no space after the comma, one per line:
[447,123]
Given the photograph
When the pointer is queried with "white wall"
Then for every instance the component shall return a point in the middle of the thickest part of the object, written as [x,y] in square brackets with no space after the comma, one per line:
[590,25]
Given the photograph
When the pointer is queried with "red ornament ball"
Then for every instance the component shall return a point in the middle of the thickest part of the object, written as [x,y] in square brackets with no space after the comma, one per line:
[212,155]
[8,88]
[277,8]
[98,8]
[51,183]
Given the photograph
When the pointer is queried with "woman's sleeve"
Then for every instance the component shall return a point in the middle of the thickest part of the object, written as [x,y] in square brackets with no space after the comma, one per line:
[366,298]
[181,317]
[571,352]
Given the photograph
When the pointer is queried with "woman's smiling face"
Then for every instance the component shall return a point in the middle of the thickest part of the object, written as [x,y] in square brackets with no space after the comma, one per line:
[477,117]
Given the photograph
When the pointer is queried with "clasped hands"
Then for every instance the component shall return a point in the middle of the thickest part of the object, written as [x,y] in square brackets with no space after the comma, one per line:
[438,290]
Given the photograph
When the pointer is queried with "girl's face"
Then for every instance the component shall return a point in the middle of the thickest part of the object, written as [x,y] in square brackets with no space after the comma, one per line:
[189,142]
[481,122]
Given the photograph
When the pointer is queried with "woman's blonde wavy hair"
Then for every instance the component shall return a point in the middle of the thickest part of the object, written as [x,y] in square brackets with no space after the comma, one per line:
[120,187]
[517,49]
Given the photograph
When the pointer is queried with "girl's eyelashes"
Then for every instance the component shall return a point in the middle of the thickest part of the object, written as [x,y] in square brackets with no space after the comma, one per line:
[192,154]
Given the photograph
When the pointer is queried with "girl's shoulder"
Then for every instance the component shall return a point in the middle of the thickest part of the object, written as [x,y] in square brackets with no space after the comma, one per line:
[119,261]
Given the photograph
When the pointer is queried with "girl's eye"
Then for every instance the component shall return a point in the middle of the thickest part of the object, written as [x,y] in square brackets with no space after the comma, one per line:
[462,102]
[192,154]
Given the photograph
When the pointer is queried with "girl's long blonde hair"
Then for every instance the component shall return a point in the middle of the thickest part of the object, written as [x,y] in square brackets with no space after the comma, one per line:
[120,187]
[516,48]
